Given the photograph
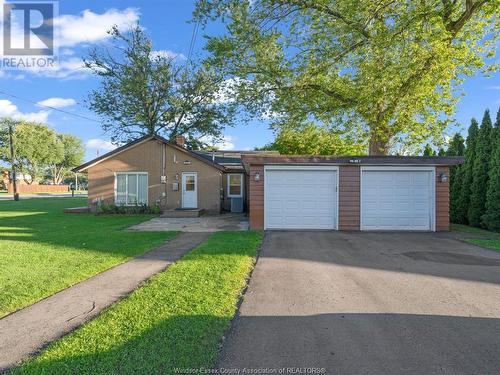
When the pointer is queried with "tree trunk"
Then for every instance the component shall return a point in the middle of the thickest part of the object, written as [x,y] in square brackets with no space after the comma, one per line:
[378,145]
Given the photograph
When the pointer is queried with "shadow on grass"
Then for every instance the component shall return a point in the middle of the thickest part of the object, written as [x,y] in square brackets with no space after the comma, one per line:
[340,343]
[43,221]
[179,341]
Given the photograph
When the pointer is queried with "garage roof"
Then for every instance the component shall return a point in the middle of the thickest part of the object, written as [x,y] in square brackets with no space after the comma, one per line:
[355,160]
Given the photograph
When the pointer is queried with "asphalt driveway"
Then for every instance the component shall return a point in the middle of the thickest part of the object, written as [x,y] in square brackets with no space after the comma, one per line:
[369,303]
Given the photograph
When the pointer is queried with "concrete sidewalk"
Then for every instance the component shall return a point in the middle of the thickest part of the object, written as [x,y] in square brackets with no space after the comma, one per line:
[28,330]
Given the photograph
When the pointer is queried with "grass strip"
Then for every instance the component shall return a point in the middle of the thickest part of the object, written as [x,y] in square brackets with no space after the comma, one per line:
[490,240]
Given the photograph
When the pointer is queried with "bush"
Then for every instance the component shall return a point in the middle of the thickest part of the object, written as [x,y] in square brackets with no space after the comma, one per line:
[137,209]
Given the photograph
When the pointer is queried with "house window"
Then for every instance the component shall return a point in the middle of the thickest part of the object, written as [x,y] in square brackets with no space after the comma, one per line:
[131,188]
[190,183]
[234,185]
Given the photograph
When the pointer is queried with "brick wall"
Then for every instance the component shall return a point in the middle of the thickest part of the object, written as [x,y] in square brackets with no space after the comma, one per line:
[256,204]
[442,200]
[349,197]
[22,188]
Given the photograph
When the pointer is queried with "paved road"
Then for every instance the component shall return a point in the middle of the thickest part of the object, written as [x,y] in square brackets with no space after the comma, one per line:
[370,303]
[26,331]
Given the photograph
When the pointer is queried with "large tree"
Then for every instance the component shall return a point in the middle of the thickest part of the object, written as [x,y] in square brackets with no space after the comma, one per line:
[480,171]
[467,174]
[313,140]
[36,146]
[391,68]
[491,218]
[144,91]
[71,156]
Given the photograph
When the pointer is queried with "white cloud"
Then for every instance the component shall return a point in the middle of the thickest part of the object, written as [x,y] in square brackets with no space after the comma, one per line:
[57,102]
[9,109]
[90,27]
[100,144]
[72,30]
[226,143]
[167,54]
[494,88]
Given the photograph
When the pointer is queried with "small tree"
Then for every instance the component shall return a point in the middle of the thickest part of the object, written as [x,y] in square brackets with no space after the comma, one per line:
[456,148]
[470,155]
[72,156]
[491,218]
[428,150]
[144,91]
[480,172]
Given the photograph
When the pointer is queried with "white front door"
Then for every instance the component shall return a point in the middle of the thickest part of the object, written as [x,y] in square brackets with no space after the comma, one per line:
[396,199]
[300,199]
[189,190]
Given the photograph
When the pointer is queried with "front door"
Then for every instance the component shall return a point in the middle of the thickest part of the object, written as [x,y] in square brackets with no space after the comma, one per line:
[189,190]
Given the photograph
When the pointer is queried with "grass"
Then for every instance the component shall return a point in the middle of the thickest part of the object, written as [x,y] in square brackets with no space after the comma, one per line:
[175,320]
[490,240]
[43,250]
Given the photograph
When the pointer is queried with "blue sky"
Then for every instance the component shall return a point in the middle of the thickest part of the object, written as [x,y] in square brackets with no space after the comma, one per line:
[83,25]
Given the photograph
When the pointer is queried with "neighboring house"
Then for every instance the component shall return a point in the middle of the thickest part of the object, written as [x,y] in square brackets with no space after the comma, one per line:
[152,170]
[281,192]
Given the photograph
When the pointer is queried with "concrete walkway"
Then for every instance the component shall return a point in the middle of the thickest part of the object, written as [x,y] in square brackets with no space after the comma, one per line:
[28,330]
[205,223]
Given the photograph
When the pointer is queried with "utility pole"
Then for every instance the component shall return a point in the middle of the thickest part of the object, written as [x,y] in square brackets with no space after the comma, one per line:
[12,158]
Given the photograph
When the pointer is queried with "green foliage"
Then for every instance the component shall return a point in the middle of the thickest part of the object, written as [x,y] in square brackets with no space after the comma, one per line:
[428,150]
[137,209]
[466,173]
[389,68]
[36,146]
[491,218]
[480,172]
[313,140]
[456,148]
[144,91]
[72,156]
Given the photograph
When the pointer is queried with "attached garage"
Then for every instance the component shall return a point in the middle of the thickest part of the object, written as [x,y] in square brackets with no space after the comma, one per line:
[349,193]
[397,198]
[300,198]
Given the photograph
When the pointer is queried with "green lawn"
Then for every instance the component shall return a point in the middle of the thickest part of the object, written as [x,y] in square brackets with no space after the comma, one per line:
[489,239]
[176,320]
[43,250]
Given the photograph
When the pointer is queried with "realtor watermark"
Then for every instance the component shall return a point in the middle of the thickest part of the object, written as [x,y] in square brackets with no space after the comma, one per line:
[252,370]
[28,35]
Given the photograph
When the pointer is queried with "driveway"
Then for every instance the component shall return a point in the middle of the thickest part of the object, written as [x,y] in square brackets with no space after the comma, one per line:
[369,303]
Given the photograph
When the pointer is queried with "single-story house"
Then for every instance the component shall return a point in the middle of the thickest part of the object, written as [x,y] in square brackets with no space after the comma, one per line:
[277,191]
[152,170]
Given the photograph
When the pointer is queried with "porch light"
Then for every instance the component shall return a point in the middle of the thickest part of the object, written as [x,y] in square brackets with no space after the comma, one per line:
[256,176]
[444,177]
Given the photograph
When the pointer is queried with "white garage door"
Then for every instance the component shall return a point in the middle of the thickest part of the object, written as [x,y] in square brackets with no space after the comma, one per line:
[300,199]
[396,200]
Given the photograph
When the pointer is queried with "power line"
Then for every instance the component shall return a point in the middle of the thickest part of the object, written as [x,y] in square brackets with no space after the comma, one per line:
[193,40]
[49,107]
